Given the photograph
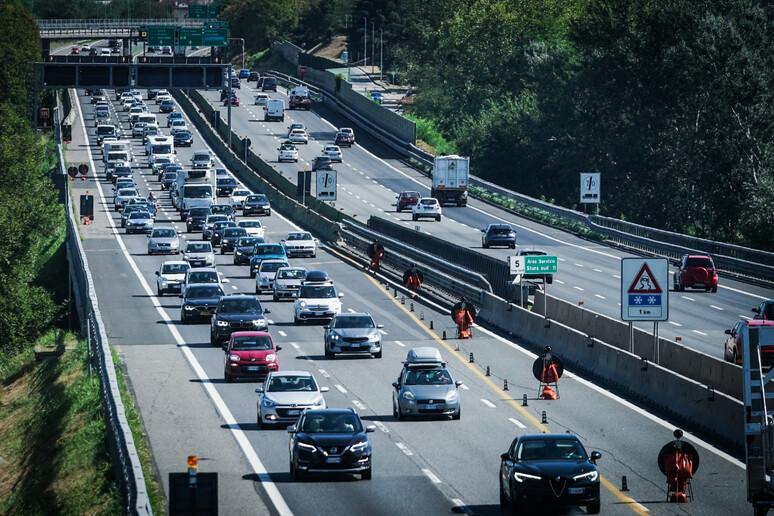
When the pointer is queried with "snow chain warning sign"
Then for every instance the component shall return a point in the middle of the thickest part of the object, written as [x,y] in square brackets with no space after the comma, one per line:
[644,289]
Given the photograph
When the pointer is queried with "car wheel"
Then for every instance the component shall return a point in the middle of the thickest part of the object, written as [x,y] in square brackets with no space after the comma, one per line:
[329,355]
[457,415]
[414,218]
[228,378]
[714,289]
[366,475]
[296,473]
[159,292]
[222,251]
[399,414]
[513,246]
[378,354]
[150,252]
[394,411]
[733,357]
[593,508]
[275,298]
[183,319]
[484,245]
[252,274]
[503,498]
[296,321]
[438,218]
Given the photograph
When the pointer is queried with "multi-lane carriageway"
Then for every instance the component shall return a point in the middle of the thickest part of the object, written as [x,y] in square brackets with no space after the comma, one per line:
[588,272]
[420,467]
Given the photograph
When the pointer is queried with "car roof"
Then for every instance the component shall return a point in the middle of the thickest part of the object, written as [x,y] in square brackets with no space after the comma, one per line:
[545,437]
[243,296]
[250,333]
[263,262]
[424,355]
[203,269]
[198,242]
[331,411]
[174,262]
[698,256]
[291,373]
[500,226]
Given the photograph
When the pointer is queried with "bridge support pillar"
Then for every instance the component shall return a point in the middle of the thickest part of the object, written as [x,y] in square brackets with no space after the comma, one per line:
[46,44]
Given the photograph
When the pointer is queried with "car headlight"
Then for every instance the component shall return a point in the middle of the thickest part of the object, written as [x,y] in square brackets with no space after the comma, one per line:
[335,336]
[164,283]
[521,477]
[233,358]
[320,402]
[302,304]
[358,446]
[408,395]
[186,256]
[189,307]
[259,322]
[306,447]
[221,323]
[374,337]
[271,357]
[268,402]
[591,476]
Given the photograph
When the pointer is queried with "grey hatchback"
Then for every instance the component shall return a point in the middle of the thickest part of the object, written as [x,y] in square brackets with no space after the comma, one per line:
[353,333]
[425,387]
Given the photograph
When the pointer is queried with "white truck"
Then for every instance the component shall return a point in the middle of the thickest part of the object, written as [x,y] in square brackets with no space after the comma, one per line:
[274,110]
[113,146]
[450,179]
[160,146]
[299,98]
[195,188]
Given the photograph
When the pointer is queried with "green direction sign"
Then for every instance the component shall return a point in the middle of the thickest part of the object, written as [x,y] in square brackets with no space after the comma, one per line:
[190,37]
[197,11]
[538,264]
[215,36]
[160,35]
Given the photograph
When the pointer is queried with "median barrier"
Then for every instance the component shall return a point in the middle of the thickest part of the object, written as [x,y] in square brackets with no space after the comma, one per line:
[721,375]
[716,415]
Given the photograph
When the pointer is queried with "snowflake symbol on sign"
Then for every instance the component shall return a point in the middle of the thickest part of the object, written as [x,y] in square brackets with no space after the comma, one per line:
[638,300]
[651,300]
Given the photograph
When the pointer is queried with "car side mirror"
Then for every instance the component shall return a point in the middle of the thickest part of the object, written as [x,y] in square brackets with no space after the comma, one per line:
[395,384]
[379,326]
[756,310]
[278,348]
[505,456]
[157,273]
[371,428]
[259,390]
[324,389]
[266,311]
[341,294]
[728,332]
[292,429]
[595,456]
[457,383]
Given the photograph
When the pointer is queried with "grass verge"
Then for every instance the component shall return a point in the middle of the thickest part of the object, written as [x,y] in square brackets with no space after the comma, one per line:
[134,419]
[54,453]
[429,138]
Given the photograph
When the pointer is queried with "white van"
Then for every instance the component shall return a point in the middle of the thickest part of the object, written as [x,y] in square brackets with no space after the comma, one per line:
[274,110]
[158,147]
[119,145]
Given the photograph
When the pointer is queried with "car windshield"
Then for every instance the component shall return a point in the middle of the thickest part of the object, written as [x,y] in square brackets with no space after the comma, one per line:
[317,291]
[232,232]
[226,181]
[212,219]
[199,247]
[272,266]
[199,212]
[183,134]
[164,233]
[202,277]
[410,195]
[500,231]
[127,192]
[200,156]
[197,192]
[161,149]
[550,449]
[105,129]
[291,274]
[170,175]
[428,377]
[250,224]
[239,193]
[203,292]
[427,202]
[353,321]
[335,423]
[256,198]
[139,215]
[291,384]
[240,306]
[222,209]
[699,262]
[175,268]
[249,242]
[252,343]
[299,236]
[270,249]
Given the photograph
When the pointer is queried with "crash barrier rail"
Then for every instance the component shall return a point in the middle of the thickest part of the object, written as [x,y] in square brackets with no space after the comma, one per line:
[712,371]
[125,460]
[713,414]
[437,271]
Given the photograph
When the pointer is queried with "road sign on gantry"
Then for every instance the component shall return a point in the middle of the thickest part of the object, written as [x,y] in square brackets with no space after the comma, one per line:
[644,289]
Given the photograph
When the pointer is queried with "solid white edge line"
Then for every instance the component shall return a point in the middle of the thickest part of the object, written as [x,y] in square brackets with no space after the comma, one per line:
[239,435]
[341,388]
[405,449]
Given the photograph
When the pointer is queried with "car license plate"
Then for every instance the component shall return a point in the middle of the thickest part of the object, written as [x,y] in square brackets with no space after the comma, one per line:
[333,460]
[252,368]
[319,314]
[431,406]
[294,412]
[575,490]
[206,312]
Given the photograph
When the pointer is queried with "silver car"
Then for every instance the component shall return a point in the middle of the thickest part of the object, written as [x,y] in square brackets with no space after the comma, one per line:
[284,395]
[353,333]
[123,196]
[425,387]
[163,240]
[287,282]
[170,277]
[201,159]
[267,271]
[199,254]
[139,222]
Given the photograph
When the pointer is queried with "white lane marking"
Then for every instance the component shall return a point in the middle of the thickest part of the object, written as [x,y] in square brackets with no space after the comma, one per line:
[577,288]
[296,346]
[673,323]
[460,505]
[399,343]
[381,426]
[599,296]
[559,281]
[616,276]
[487,403]
[405,449]
[745,317]
[358,404]
[579,265]
[383,332]
[282,333]
[341,388]
[597,270]
[234,287]
[429,474]
[324,373]
[716,307]
[699,332]
[464,387]
[562,259]
[236,430]
[688,298]
[269,321]
[226,280]
[350,310]
[517,423]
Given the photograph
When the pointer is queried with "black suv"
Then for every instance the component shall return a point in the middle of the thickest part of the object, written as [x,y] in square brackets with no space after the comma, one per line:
[330,441]
[196,218]
[245,248]
[540,469]
[218,229]
[239,312]
[256,204]
[230,237]
[498,235]
[322,163]
[269,84]
[200,301]
[226,186]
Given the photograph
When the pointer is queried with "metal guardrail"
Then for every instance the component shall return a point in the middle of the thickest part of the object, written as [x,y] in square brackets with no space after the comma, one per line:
[126,462]
[109,26]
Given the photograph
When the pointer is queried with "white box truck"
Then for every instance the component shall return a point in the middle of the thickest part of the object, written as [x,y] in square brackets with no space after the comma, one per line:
[450,179]
[195,189]
[113,146]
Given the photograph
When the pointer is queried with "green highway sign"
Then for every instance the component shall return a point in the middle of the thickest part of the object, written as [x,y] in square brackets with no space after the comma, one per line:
[160,35]
[215,36]
[203,12]
[190,37]
[538,264]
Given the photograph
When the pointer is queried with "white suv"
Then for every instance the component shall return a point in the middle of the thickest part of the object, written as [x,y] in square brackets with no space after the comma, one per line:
[427,207]
[318,301]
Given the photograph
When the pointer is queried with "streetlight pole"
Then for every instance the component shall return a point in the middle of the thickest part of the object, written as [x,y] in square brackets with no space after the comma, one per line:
[242,40]
[365,41]
[373,41]
[381,53]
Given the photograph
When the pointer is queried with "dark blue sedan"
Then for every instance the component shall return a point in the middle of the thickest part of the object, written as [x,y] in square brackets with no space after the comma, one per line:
[498,235]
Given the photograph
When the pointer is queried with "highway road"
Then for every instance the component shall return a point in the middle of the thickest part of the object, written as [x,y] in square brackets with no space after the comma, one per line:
[420,467]
[370,178]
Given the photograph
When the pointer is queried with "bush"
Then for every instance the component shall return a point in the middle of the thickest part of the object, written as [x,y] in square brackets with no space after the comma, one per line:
[429,133]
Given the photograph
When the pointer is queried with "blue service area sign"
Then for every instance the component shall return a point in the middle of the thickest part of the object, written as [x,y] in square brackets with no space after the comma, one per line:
[644,289]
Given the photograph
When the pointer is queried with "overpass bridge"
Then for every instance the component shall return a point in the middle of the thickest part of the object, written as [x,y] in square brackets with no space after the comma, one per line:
[107,28]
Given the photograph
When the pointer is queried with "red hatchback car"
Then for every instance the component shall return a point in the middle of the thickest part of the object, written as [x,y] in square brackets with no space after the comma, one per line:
[696,271]
[732,351]
[406,200]
[250,354]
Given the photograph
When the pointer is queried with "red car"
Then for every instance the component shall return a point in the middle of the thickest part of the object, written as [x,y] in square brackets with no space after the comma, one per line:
[345,137]
[406,200]
[733,347]
[250,354]
[696,271]
[75,50]
[234,101]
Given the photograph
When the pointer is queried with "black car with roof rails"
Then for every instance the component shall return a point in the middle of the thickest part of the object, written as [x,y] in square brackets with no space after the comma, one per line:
[118,172]
[257,204]
[331,440]
[245,248]
[238,312]
[230,237]
[544,471]
[168,179]
[196,218]
[226,186]
[269,84]
[200,301]
[218,229]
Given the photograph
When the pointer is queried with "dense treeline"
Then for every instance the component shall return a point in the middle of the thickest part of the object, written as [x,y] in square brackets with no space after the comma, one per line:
[30,218]
[669,99]
[69,9]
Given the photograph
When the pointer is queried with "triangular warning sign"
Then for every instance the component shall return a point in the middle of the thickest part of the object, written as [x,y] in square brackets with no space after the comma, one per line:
[644,282]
